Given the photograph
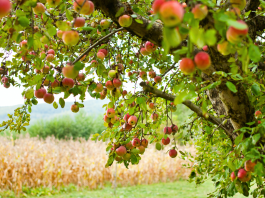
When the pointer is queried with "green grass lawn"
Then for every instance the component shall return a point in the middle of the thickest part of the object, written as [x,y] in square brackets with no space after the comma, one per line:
[179,189]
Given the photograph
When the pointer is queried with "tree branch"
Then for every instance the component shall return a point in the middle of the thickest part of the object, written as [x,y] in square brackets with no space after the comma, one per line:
[191,106]
[97,43]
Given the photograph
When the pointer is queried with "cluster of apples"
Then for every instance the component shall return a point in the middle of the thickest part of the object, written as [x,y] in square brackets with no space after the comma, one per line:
[148,48]
[143,75]
[136,146]
[202,61]
[244,174]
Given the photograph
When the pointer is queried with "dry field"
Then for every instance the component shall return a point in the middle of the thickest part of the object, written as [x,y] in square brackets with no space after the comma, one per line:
[33,163]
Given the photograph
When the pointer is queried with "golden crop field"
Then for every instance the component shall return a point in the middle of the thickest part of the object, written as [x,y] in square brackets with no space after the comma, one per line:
[34,163]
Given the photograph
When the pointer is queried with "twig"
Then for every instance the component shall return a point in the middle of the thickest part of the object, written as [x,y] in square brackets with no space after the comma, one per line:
[97,43]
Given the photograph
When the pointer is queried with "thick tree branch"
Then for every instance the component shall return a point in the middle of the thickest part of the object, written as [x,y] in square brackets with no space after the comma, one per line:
[190,105]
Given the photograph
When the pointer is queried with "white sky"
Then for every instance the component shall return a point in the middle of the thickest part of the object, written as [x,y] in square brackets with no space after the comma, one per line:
[12,96]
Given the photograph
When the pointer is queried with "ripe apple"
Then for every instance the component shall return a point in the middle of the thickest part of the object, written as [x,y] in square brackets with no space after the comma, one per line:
[144,51]
[202,60]
[50,57]
[157,5]
[150,47]
[91,8]
[23,44]
[98,88]
[39,8]
[6,85]
[141,149]
[101,55]
[151,74]
[136,142]
[243,175]
[4,80]
[42,54]
[110,112]
[81,77]
[104,51]
[5,7]
[224,48]
[55,83]
[74,108]
[51,51]
[154,116]
[70,38]
[173,153]
[68,83]
[258,113]
[48,98]
[129,145]
[102,96]
[205,48]
[125,21]
[174,128]
[151,105]
[171,13]
[117,82]
[106,119]
[167,130]
[85,9]
[60,33]
[143,75]
[104,24]
[124,93]
[235,35]
[126,127]
[158,79]
[144,142]
[233,176]
[126,117]
[165,141]
[249,165]
[121,151]
[200,11]
[109,85]
[79,22]
[45,69]
[187,66]
[46,82]
[132,120]
[69,71]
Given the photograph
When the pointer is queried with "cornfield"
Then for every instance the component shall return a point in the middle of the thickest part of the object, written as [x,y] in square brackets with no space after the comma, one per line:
[34,163]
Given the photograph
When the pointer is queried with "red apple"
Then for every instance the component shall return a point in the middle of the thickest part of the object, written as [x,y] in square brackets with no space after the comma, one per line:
[39,8]
[205,48]
[68,83]
[74,108]
[143,75]
[4,80]
[150,47]
[125,21]
[81,77]
[233,176]
[110,112]
[55,83]
[101,55]
[258,113]
[50,57]
[84,9]
[154,116]
[243,175]
[117,82]
[104,51]
[45,69]
[157,5]
[5,7]
[40,93]
[121,151]
[144,142]
[132,120]
[202,60]
[91,8]
[187,66]
[158,79]
[136,142]
[48,98]
[98,88]
[249,165]
[171,13]
[165,141]
[79,22]
[167,130]
[109,85]
[235,35]
[173,153]
[69,71]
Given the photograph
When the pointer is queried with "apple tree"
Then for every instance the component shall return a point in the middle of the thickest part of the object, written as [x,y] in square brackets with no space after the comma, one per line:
[146,57]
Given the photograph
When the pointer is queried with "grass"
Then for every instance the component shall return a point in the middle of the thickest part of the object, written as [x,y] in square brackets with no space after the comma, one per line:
[179,189]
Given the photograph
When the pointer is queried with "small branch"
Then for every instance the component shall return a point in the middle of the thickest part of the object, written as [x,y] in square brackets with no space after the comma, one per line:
[191,106]
[167,71]
[97,43]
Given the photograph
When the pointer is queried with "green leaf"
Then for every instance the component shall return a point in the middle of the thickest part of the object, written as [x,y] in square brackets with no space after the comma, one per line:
[24,21]
[69,15]
[255,88]
[55,105]
[239,138]
[139,100]
[120,11]
[210,37]
[79,66]
[197,36]
[139,21]
[51,30]
[255,138]
[259,169]
[254,53]
[231,86]
[236,24]
[62,102]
